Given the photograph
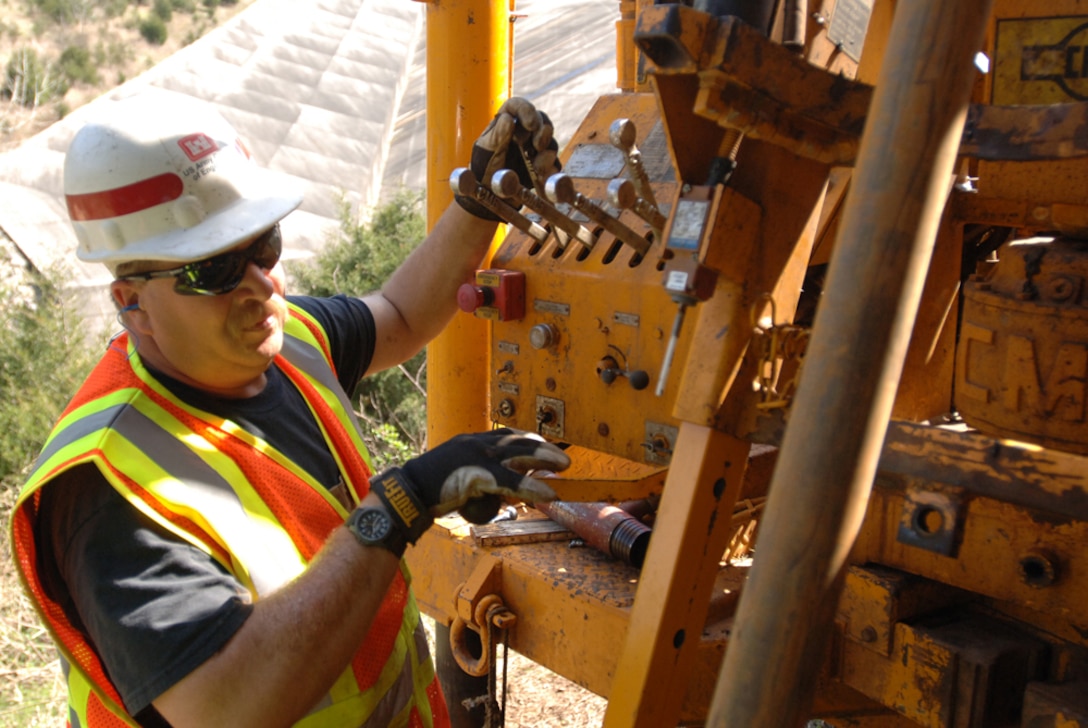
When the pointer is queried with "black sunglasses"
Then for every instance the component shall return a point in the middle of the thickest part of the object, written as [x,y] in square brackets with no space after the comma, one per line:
[221,273]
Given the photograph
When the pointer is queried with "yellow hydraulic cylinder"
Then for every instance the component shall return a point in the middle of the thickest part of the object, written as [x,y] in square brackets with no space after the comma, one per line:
[469,48]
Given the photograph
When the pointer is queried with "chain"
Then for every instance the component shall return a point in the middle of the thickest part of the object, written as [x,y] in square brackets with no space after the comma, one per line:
[494,713]
[775,346]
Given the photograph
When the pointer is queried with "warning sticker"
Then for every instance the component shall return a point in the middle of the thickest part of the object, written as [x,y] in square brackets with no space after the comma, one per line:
[1041,60]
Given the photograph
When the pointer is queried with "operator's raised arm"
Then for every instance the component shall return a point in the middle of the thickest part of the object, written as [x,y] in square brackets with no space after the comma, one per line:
[454,248]
[202,532]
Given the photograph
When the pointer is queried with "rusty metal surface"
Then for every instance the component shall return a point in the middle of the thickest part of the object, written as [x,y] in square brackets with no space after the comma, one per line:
[1019,133]
[767,92]
[956,672]
[572,605]
[1022,364]
[1008,553]
[1056,706]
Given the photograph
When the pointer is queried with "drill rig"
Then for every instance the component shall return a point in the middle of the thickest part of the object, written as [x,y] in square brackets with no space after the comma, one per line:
[811,285]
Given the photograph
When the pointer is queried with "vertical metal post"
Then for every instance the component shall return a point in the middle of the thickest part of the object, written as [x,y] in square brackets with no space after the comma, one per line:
[469,49]
[829,454]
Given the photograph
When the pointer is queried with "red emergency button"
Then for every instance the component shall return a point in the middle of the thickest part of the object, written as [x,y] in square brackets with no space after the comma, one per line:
[470,297]
[497,294]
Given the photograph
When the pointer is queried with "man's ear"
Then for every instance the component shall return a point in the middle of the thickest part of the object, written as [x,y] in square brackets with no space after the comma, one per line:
[127,297]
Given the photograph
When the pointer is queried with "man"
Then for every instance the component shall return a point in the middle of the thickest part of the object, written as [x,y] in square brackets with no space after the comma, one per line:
[183,531]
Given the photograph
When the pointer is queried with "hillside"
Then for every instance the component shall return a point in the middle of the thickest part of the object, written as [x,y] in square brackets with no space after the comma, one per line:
[59,54]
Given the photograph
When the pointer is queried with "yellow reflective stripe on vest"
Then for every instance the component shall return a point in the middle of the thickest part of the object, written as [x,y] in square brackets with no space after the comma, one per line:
[141,440]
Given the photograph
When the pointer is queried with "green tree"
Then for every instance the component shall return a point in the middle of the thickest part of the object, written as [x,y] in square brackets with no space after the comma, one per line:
[43,358]
[163,9]
[391,404]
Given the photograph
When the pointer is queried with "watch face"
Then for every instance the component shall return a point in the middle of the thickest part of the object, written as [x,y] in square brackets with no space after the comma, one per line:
[372,524]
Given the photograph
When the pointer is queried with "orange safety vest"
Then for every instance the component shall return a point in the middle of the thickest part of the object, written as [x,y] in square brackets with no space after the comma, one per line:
[219,488]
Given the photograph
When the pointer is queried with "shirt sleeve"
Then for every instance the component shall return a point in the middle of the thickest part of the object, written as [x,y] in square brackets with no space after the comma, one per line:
[153,606]
[350,327]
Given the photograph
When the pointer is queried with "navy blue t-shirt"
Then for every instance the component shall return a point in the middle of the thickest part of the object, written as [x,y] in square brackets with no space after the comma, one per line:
[153,606]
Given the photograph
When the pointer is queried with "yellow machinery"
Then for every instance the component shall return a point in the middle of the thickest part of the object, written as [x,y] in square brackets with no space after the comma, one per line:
[815,274]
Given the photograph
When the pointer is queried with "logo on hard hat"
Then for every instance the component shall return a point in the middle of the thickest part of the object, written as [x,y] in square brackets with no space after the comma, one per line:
[197,146]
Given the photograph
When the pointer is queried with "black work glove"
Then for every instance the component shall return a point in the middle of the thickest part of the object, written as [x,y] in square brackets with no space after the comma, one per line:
[470,473]
[518,121]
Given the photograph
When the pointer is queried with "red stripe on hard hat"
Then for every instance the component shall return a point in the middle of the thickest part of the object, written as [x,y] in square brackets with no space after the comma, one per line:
[125,200]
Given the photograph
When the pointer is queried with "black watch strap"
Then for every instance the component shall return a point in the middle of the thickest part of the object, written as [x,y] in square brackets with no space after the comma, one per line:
[399,496]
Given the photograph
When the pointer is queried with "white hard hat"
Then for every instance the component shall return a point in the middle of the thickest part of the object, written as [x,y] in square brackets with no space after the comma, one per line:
[165,177]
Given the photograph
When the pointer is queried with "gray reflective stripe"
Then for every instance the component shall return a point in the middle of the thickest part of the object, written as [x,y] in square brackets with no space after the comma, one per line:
[403,690]
[80,428]
[312,361]
[210,494]
[395,699]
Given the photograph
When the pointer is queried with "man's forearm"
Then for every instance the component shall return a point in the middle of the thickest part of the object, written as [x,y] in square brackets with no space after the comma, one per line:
[294,645]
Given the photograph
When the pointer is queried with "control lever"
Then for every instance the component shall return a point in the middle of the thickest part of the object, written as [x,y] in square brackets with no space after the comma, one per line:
[464,182]
[608,369]
[560,188]
[688,279]
[622,134]
[505,183]
[622,194]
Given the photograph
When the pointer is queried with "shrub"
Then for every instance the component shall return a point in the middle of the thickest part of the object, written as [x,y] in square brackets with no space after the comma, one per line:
[163,9]
[153,30]
[392,404]
[76,66]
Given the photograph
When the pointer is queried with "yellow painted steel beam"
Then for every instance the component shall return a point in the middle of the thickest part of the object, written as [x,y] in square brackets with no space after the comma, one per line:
[690,535]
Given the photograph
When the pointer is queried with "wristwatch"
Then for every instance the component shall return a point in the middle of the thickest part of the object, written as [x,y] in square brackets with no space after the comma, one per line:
[374,527]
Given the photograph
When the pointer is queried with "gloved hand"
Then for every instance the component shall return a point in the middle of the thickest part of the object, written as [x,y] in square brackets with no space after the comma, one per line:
[518,121]
[468,472]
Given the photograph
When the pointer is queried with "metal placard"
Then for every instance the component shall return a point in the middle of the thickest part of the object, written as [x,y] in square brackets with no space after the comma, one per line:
[849,21]
[595,161]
